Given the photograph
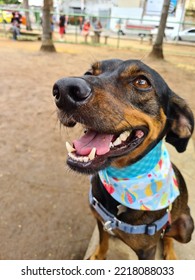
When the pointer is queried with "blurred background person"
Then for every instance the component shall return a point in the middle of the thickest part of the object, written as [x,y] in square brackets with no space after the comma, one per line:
[97,25]
[62,26]
[86,29]
[16,21]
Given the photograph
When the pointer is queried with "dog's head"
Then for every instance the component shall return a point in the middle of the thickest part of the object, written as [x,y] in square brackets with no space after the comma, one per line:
[126,108]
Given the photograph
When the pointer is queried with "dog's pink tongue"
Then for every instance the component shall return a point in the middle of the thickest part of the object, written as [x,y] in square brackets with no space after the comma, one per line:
[92,139]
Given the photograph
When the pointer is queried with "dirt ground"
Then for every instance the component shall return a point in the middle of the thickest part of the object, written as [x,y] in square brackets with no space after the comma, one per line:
[44,211]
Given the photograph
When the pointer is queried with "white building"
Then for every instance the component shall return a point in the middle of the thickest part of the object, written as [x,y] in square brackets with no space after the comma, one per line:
[128,15]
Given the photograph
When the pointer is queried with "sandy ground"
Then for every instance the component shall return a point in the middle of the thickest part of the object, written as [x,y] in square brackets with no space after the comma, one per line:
[44,210]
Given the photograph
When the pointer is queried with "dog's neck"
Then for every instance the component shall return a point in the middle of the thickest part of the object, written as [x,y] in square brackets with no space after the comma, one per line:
[148,184]
[143,166]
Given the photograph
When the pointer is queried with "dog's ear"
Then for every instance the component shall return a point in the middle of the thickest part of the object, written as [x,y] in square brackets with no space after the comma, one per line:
[181,123]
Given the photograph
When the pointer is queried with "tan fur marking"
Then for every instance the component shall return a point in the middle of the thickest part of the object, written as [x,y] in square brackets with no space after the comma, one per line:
[182,127]
[96,68]
[168,249]
[130,71]
[137,118]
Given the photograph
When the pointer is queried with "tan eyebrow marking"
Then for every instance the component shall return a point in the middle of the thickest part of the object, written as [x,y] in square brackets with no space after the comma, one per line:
[130,71]
[96,68]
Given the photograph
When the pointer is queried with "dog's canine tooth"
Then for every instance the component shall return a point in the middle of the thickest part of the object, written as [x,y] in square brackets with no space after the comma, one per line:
[124,135]
[91,156]
[69,148]
[117,142]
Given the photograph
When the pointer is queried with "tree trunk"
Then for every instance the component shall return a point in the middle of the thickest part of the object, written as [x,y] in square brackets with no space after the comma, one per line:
[28,22]
[157,50]
[47,43]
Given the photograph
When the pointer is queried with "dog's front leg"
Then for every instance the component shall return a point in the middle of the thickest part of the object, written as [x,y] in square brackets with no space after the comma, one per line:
[168,249]
[102,248]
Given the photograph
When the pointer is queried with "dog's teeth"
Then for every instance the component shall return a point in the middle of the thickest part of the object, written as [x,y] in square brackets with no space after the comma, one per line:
[69,148]
[91,156]
[81,158]
[111,145]
[85,159]
[72,156]
[117,142]
[124,135]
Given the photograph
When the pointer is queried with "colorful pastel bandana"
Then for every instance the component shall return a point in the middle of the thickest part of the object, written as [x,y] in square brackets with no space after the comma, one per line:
[149,184]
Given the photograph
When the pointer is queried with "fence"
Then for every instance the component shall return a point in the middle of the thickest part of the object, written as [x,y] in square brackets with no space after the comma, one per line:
[114,29]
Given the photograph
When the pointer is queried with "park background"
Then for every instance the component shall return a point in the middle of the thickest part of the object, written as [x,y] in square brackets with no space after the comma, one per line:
[44,211]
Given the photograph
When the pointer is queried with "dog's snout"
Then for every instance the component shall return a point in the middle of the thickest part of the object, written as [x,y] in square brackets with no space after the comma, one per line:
[71,91]
[78,93]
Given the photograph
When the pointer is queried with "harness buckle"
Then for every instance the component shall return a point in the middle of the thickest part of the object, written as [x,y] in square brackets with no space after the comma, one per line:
[108,227]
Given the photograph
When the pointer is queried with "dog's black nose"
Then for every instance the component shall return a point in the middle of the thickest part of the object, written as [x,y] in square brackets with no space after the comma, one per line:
[70,92]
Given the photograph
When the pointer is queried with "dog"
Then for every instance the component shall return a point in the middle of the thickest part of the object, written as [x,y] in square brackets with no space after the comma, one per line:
[128,112]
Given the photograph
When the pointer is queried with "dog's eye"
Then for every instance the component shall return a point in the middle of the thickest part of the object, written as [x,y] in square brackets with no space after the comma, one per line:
[141,82]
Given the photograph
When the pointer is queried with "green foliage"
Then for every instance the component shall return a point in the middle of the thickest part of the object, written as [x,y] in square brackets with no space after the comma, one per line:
[10,2]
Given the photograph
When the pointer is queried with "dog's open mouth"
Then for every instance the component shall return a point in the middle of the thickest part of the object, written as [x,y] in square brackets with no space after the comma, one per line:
[94,151]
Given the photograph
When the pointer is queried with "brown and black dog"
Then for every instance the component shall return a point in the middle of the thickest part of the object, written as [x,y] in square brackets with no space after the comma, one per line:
[126,109]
